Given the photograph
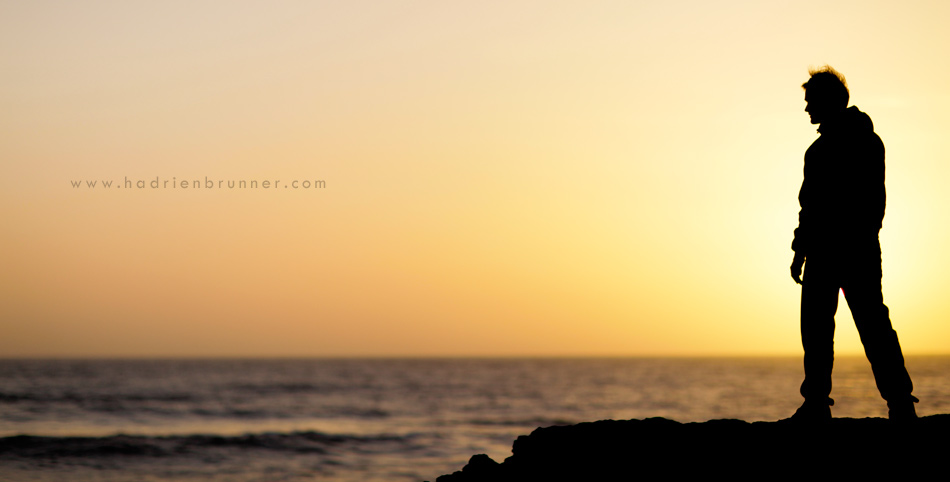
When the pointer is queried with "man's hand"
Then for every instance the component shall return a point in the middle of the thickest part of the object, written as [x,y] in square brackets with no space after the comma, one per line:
[796,268]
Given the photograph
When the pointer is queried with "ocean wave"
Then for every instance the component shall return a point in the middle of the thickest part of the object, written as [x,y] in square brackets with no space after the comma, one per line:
[288,388]
[526,422]
[309,442]
[79,398]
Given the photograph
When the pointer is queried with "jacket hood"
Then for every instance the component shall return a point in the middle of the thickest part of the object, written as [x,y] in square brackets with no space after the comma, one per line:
[851,120]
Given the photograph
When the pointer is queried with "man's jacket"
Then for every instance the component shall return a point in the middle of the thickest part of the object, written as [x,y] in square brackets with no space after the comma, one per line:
[842,197]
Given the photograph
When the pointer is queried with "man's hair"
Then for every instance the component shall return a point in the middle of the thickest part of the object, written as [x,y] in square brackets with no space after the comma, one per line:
[828,85]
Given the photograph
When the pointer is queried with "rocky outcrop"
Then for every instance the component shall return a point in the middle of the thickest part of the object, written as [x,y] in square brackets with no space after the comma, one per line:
[657,448]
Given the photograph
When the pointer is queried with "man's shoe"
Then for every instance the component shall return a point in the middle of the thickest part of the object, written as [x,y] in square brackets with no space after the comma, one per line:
[902,410]
[814,411]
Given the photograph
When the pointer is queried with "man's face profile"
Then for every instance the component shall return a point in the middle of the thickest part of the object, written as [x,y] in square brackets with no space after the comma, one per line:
[817,109]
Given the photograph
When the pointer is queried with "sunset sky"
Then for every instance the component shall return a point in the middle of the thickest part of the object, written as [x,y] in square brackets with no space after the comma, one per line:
[502,178]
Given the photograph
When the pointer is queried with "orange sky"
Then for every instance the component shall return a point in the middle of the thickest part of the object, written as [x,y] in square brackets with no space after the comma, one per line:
[502,178]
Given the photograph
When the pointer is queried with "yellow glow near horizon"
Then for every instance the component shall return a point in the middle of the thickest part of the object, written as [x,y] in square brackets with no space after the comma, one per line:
[502,178]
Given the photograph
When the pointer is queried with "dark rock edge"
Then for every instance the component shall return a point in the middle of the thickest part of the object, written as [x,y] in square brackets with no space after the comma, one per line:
[657,447]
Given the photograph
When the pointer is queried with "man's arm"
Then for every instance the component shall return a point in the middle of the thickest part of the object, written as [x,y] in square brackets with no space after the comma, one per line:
[800,240]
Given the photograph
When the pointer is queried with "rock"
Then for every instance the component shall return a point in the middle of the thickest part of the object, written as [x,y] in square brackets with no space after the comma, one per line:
[659,448]
[479,467]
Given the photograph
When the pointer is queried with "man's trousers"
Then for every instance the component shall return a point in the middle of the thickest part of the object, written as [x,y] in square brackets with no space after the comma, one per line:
[856,270]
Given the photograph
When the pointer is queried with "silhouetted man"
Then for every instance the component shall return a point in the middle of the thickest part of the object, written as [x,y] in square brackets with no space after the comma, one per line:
[842,200]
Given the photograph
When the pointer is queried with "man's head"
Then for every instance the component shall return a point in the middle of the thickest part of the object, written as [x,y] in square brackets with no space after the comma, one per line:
[826,93]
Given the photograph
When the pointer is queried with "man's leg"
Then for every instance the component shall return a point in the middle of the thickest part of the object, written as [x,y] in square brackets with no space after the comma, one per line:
[819,304]
[862,290]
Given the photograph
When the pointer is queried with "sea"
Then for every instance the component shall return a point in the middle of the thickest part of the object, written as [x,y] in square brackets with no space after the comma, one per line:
[246,420]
